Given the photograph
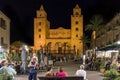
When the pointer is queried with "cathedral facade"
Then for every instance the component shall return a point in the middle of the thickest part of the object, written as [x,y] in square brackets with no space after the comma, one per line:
[58,40]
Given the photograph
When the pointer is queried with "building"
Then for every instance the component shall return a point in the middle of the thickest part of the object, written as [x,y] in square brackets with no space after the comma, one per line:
[58,40]
[111,33]
[4,31]
[106,42]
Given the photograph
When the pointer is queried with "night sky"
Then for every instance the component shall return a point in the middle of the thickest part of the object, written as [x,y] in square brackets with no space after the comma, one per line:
[22,13]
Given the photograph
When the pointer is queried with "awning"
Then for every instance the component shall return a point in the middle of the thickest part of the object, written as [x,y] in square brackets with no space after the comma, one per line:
[110,47]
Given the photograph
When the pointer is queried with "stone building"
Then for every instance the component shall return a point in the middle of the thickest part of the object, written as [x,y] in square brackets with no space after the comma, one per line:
[110,34]
[58,40]
[4,31]
[107,42]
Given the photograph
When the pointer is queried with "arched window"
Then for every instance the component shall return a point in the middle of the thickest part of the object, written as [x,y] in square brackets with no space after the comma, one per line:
[76,22]
[76,29]
[39,30]
[39,23]
[76,35]
[39,36]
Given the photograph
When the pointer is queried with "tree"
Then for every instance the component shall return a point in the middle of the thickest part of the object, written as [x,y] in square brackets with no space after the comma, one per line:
[17,44]
[84,40]
[96,24]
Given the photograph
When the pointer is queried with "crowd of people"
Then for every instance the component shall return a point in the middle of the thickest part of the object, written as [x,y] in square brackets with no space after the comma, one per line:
[33,67]
[35,63]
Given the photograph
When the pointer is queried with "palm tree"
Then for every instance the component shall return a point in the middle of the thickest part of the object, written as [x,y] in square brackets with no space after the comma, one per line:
[84,40]
[96,24]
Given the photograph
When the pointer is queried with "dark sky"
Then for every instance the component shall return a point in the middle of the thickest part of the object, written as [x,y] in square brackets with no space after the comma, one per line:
[22,13]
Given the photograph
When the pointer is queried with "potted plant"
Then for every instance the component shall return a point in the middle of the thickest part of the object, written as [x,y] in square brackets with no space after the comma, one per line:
[102,66]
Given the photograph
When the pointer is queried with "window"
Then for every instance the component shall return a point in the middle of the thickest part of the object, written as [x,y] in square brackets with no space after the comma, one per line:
[77,35]
[76,29]
[110,42]
[2,23]
[2,40]
[76,22]
[39,36]
[117,37]
[39,30]
[39,23]
[77,13]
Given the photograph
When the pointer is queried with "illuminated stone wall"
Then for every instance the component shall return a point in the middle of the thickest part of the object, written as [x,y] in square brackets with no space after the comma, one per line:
[58,39]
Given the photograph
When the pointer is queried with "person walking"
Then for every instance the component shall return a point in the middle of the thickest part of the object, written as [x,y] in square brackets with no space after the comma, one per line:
[33,65]
[81,72]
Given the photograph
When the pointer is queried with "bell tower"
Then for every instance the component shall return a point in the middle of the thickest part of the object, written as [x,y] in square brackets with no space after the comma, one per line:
[41,25]
[77,29]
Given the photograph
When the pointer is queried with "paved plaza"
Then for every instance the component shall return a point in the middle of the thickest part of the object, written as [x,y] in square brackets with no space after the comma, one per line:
[70,67]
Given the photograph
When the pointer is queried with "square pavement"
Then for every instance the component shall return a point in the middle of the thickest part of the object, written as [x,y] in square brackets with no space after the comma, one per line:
[69,67]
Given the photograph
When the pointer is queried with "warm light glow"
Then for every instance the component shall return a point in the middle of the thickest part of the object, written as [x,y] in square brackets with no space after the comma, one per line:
[112,51]
[118,42]
[1,49]
[26,47]
[83,59]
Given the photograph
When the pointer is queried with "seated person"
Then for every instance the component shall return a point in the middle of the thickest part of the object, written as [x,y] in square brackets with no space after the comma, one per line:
[7,70]
[81,72]
[49,72]
[61,72]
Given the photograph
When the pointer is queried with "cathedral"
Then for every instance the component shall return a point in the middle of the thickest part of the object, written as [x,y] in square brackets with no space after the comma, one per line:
[60,40]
